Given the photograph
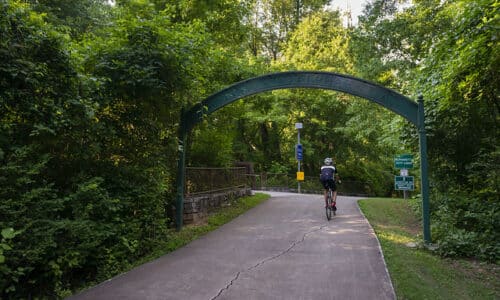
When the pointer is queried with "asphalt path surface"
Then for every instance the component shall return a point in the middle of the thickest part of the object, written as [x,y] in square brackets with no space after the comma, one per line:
[282,249]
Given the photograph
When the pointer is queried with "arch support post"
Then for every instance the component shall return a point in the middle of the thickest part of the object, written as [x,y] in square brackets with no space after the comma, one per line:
[423,171]
[181,174]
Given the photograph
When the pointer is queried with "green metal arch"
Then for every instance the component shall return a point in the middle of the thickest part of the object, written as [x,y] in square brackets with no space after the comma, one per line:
[304,79]
[401,105]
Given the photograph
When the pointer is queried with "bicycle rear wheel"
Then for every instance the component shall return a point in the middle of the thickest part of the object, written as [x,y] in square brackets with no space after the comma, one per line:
[328,208]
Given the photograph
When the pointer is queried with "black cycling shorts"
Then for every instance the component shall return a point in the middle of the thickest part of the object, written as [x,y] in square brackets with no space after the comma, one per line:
[329,183]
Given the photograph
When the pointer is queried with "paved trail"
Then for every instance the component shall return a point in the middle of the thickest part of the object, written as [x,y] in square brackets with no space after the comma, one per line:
[282,249]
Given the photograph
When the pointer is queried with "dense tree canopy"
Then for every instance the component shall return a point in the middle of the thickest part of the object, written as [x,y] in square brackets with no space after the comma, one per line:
[91,94]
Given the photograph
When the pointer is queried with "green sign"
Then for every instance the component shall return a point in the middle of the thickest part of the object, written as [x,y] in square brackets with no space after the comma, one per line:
[403,161]
[403,183]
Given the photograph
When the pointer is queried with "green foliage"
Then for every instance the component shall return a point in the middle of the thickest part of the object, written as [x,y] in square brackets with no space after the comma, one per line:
[320,42]
[448,50]
[39,104]
[463,127]
[272,22]
[5,246]
[217,142]
[77,17]
[85,129]
[223,18]
[276,167]
[91,94]
[467,225]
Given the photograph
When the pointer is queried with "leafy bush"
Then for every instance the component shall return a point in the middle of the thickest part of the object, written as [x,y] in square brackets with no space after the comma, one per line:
[467,226]
[83,175]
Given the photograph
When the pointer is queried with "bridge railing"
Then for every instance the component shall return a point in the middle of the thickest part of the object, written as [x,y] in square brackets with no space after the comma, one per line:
[201,180]
[311,184]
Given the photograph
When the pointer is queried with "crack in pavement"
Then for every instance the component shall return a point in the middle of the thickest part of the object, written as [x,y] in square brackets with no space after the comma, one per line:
[295,243]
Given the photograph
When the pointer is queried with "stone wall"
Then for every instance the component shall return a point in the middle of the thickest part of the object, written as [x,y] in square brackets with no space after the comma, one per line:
[196,208]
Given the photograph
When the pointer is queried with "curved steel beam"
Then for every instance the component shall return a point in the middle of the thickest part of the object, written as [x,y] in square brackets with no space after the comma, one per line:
[304,79]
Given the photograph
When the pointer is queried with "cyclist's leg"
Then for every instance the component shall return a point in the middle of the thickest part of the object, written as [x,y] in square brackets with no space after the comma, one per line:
[334,194]
[325,188]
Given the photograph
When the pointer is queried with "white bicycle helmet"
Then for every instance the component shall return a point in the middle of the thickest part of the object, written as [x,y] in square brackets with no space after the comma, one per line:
[328,161]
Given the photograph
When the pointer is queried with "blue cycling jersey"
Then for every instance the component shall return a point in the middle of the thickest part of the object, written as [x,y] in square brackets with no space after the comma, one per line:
[327,172]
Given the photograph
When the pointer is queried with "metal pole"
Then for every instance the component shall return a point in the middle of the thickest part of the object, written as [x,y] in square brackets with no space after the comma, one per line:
[181,174]
[423,170]
[298,168]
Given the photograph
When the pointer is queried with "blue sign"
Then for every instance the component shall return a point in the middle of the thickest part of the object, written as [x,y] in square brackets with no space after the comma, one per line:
[298,152]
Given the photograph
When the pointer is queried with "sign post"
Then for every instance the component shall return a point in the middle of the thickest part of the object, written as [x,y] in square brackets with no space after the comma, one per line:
[299,155]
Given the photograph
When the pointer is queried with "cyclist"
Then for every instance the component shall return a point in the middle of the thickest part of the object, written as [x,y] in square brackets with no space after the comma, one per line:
[327,178]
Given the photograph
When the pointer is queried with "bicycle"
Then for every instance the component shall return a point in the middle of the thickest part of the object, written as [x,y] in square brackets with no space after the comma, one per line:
[329,208]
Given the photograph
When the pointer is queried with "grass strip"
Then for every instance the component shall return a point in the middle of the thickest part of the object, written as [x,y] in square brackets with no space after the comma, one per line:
[416,272]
